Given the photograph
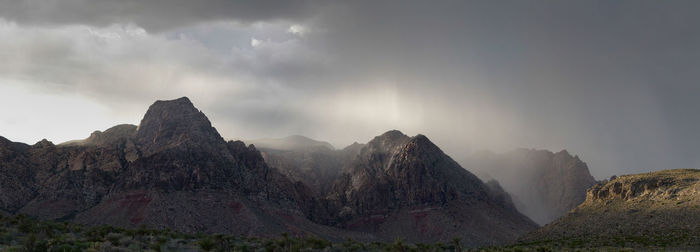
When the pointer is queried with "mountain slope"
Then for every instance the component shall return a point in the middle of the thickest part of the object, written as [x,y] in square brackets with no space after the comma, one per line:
[406,186]
[16,176]
[314,163]
[544,185]
[659,208]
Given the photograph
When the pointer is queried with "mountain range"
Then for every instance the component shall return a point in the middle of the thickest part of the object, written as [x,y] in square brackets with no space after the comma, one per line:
[542,184]
[175,171]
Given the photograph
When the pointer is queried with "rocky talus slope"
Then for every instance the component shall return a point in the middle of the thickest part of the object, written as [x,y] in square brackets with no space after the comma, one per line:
[660,208]
[544,185]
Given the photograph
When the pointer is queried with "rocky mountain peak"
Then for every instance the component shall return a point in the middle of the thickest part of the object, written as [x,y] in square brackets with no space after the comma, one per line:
[392,136]
[420,143]
[110,135]
[175,122]
[354,145]
[390,141]
[352,150]
[563,152]
[43,144]
[410,169]
[398,175]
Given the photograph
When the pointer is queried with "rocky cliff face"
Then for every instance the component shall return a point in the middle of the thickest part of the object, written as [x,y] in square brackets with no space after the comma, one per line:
[661,205]
[16,176]
[406,186]
[545,185]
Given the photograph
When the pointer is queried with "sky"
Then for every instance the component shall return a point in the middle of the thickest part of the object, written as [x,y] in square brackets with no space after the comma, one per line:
[614,82]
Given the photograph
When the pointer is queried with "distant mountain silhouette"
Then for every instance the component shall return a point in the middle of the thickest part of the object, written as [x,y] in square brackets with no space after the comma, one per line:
[314,163]
[295,142]
[543,184]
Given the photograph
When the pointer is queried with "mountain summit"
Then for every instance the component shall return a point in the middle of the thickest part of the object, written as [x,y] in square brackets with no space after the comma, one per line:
[172,123]
[401,186]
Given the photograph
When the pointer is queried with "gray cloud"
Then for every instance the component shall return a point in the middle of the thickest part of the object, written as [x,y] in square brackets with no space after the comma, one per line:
[152,14]
[614,82]
[608,80]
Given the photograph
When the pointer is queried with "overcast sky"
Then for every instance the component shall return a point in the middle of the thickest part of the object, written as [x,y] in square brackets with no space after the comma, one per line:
[616,82]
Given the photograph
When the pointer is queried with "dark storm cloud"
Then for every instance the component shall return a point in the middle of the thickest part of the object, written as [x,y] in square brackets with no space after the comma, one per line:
[151,14]
[614,81]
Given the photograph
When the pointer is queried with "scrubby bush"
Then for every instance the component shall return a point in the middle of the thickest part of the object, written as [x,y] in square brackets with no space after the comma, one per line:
[206,244]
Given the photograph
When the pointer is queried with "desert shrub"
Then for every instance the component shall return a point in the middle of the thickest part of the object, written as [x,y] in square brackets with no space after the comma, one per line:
[67,248]
[113,238]
[206,244]
[142,230]
[130,232]
[162,239]
[423,247]
[440,246]
[456,243]
[243,248]
[270,246]
[397,245]
[26,225]
[316,243]
[13,249]
[30,243]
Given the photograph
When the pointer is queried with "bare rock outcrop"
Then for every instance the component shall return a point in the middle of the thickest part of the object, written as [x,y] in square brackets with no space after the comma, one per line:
[660,206]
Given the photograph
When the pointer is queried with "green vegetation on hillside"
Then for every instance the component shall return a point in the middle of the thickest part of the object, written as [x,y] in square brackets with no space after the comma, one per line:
[20,233]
